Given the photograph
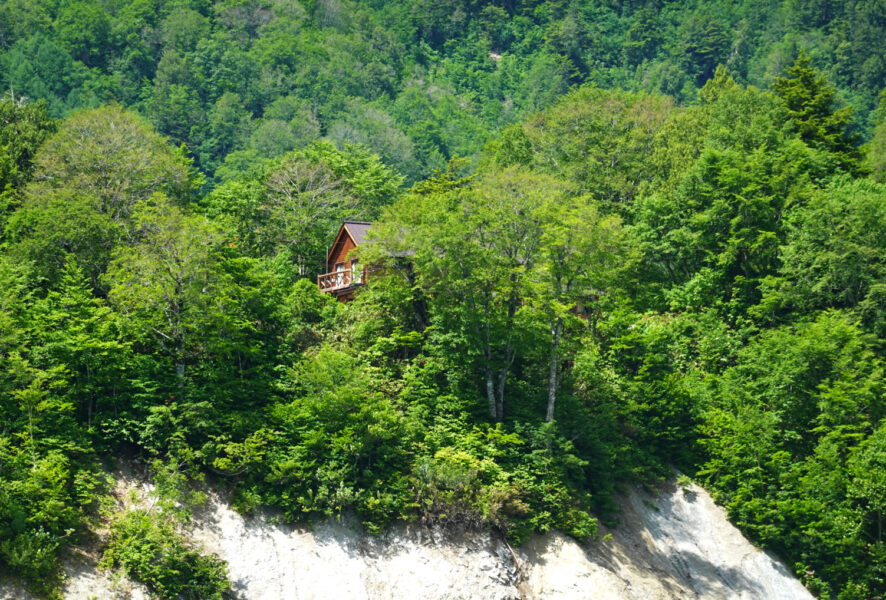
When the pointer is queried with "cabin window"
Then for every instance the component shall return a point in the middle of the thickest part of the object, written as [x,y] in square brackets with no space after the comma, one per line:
[340,272]
[356,273]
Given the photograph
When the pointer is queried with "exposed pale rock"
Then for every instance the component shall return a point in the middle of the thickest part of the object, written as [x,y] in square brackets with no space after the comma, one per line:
[278,562]
[83,581]
[676,544]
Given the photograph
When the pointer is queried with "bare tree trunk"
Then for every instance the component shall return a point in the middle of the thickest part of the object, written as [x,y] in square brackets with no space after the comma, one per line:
[554,376]
[180,366]
[490,392]
[510,354]
[177,332]
[500,397]
[486,336]
[490,378]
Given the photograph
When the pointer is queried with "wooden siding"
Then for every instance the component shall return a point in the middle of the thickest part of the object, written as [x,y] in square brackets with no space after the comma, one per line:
[339,252]
[344,273]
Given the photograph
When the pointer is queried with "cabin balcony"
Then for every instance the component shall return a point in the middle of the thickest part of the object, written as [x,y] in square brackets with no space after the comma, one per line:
[340,280]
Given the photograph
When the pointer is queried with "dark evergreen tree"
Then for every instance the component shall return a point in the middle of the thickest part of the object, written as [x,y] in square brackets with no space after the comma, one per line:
[811,104]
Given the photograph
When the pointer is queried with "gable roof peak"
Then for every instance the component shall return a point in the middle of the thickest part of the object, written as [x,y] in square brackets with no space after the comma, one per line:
[357,230]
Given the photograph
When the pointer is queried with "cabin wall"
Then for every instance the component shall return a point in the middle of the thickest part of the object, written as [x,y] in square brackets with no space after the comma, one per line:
[340,252]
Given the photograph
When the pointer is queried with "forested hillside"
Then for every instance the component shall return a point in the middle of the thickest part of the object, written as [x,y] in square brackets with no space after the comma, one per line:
[597,255]
[240,81]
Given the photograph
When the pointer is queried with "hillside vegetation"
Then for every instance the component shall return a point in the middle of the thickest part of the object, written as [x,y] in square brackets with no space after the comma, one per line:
[240,81]
[621,283]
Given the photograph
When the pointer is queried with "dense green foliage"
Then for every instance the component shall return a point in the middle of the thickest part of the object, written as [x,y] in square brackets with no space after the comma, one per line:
[416,81]
[156,555]
[147,543]
[622,283]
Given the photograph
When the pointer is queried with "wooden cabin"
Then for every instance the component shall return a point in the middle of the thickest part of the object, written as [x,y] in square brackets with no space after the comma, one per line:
[343,272]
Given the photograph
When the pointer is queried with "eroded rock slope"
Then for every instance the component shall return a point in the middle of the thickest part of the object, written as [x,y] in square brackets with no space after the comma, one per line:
[675,544]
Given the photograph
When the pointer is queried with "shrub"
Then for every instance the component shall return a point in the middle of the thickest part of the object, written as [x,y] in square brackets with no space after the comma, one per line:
[149,550]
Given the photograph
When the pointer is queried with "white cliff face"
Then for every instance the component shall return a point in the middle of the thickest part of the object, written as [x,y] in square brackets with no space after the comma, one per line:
[277,562]
[673,545]
[677,544]
[83,581]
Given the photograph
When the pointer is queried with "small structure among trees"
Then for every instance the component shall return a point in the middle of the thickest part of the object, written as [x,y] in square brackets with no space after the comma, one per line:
[343,272]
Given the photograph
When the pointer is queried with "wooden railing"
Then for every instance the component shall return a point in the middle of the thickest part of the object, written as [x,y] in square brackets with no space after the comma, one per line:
[338,280]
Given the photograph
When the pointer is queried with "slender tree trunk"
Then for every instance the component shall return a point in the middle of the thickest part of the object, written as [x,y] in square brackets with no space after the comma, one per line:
[180,366]
[490,377]
[510,354]
[180,359]
[177,335]
[490,392]
[554,376]
[486,336]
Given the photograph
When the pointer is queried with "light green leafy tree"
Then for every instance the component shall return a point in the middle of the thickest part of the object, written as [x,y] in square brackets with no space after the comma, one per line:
[168,280]
[582,254]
